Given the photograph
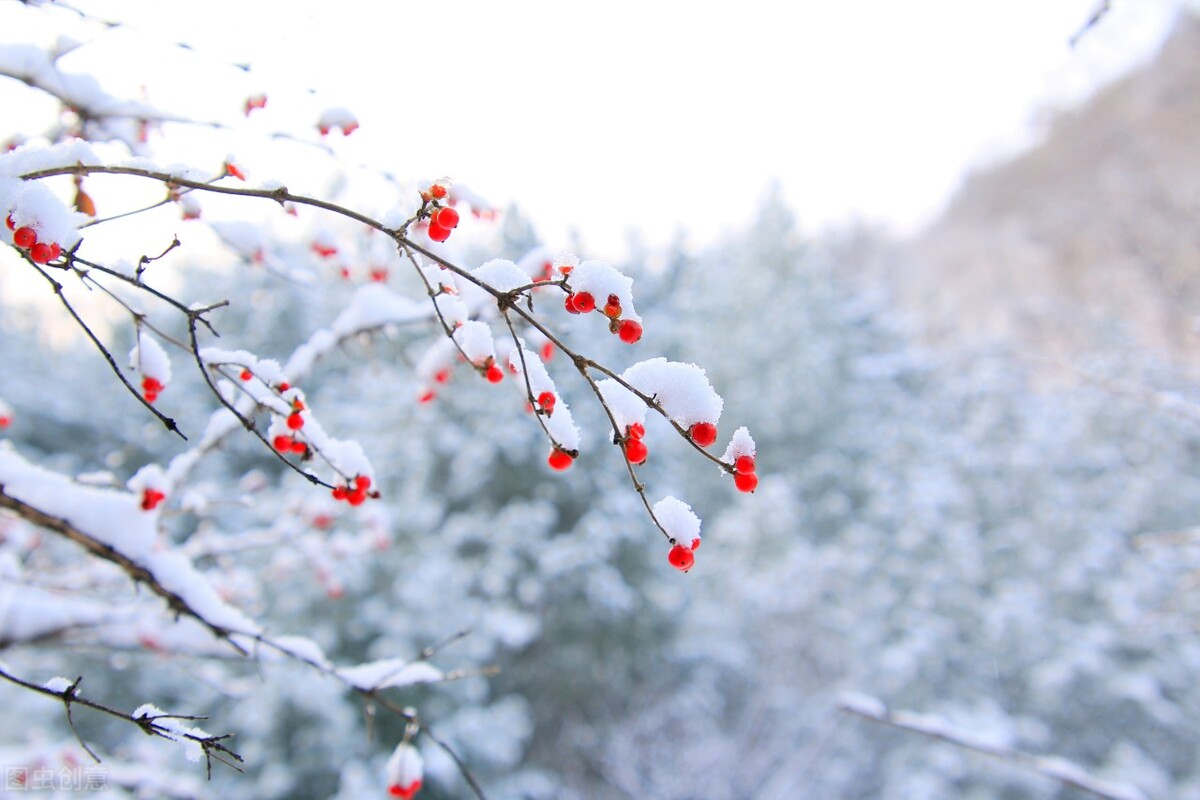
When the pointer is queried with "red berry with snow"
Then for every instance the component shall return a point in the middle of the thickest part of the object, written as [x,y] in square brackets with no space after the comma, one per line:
[362,482]
[25,237]
[9,222]
[636,431]
[437,191]
[437,232]
[233,171]
[559,460]
[446,217]
[583,302]
[282,443]
[547,400]
[745,482]
[151,498]
[494,374]
[629,331]
[744,464]
[695,544]
[703,433]
[636,451]
[681,558]
[295,421]
[41,253]
[246,375]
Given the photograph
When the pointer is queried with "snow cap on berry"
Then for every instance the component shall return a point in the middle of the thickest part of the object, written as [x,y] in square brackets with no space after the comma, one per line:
[678,520]
[337,117]
[626,407]
[742,444]
[560,424]
[682,390]
[602,281]
[405,771]
[475,339]
[150,477]
[149,358]
[30,204]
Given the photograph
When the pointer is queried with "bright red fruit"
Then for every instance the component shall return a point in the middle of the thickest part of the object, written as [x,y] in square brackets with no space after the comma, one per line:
[437,191]
[295,421]
[681,558]
[340,492]
[9,222]
[5,420]
[703,433]
[547,400]
[559,460]
[745,482]
[630,331]
[744,464]
[695,544]
[446,217]
[41,253]
[282,443]
[246,375]
[362,482]
[25,237]
[299,446]
[636,431]
[583,302]
[636,451]
[234,171]
[405,792]
[438,233]
[151,498]
[495,374]
[283,387]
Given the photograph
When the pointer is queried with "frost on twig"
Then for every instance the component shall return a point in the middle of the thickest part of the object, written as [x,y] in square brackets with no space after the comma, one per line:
[935,727]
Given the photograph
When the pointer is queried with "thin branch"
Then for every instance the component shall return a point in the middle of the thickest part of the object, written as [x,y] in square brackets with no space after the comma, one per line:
[1054,767]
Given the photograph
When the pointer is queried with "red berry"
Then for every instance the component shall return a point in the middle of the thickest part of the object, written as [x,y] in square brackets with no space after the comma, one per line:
[295,421]
[630,331]
[340,492]
[745,482]
[234,171]
[446,217]
[612,311]
[150,396]
[25,237]
[283,387]
[41,253]
[282,443]
[246,375]
[5,420]
[495,374]
[547,400]
[441,376]
[55,250]
[362,482]
[695,544]
[438,233]
[9,222]
[426,398]
[356,496]
[636,431]
[744,464]
[681,558]
[151,498]
[569,304]
[636,451]
[437,191]
[349,128]
[299,446]
[583,302]
[559,460]
[547,351]
[703,433]
[323,130]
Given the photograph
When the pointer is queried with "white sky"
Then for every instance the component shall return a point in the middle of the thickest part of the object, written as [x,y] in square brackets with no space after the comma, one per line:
[608,116]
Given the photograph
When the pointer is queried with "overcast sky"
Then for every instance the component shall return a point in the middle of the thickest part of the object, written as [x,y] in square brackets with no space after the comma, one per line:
[656,115]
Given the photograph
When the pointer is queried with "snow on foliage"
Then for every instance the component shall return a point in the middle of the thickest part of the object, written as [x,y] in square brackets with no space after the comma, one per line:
[390,672]
[149,358]
[678,520]
[681,389]
[603,281]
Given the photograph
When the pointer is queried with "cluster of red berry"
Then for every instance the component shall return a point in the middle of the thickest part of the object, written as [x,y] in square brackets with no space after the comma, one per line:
[151,388]
[635,449]
[744,477]
[357,495]
[26,238]
[151,498]
[441,222]
[628,330]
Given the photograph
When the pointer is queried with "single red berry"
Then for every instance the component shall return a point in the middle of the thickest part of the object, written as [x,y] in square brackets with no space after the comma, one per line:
[362,482]
[340,492]
[41,253]
[282,443]
[612,311]
[438,233]
[744,464]
[349,128]
[283,387]
[151,498]
[234,171]
[246,375]
[495,374]
[357,496]
[547,400]
[150,384]
[569,304]
[299,446]
[297,404]
[703,433]
[446,217]
[5,420]
[636,431]
[630,332]
[9,222]
[636,451]
[695,544]
[55,250]
[324,250]
[681,558]
[150,396]
[437,191]
[323,130]
[583,302]
[426,398]
[295,421]
[547,351]
[559,460]
[441,376]
[25,237]
[379,274]
[745,482]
